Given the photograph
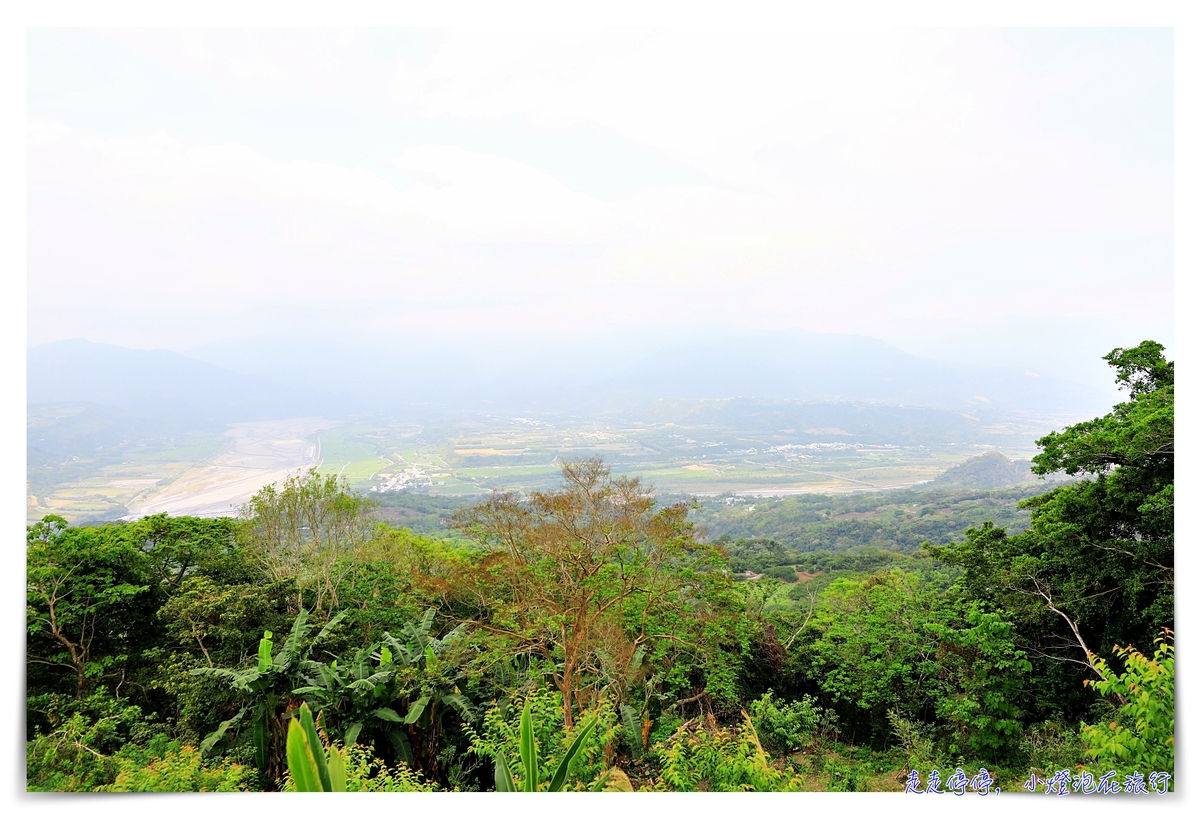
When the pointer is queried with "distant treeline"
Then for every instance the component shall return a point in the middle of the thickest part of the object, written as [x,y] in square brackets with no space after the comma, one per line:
[422,513]
[894,521]
[765,556]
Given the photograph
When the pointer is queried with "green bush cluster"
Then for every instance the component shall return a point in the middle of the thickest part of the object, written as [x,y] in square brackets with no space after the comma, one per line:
[785,727]
[721,760]
[501,736]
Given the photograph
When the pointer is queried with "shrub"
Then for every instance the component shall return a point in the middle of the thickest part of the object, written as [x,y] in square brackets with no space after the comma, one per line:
[845,777]
[1050,746]
[77,753]
[502,735]
[914,741]
[180,769]
[366,773]
[784,573]
[720,760]
[785,727]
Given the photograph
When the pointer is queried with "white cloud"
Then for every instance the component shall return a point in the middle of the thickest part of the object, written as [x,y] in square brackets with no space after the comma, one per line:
[896,184]
[487,194]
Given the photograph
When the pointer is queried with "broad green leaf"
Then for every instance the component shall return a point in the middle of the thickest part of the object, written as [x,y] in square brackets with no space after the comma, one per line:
[459,702]
[633,735]
[215,736]
[260,740]
[529,758]
[388,714]
[301,763]
[337,771]
[400,742]
[314,742]
[638,656]
[564,766]
[264,652]
[330,625]
[291,646]
[504,780]
[415,711]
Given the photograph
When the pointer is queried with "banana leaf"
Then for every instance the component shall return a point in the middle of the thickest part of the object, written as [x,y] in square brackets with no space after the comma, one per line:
[400,742]
[460,703]
[388,714]
[212,738]
[416,709]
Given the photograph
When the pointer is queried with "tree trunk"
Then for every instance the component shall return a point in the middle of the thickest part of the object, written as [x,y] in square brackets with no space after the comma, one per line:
[567,688]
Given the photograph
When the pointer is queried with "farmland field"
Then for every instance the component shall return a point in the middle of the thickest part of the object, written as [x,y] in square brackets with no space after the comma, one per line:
[465,456]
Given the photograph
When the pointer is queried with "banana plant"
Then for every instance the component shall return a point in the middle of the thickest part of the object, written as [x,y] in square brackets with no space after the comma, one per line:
[270,683]
[428,682]
[530,762]
[366,696]
[361,696]
[313,769]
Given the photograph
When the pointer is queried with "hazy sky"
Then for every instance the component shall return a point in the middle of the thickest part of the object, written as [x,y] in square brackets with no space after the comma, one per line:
[997,195]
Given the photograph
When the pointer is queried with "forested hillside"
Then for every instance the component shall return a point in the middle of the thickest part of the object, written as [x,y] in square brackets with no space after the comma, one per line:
[595,637]
[896,520]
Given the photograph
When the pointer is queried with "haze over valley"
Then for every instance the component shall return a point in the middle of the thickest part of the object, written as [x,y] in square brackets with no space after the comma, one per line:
[119,433]
[471,268]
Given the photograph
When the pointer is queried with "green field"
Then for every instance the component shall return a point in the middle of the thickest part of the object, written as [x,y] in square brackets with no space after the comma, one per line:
[92,489]
[694,451]
[352,453]
[520,454]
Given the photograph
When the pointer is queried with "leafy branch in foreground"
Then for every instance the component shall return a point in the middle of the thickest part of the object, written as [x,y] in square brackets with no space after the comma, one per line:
[1142,734]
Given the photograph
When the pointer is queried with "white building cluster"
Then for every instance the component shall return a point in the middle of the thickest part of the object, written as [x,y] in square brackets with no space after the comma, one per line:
[407,479]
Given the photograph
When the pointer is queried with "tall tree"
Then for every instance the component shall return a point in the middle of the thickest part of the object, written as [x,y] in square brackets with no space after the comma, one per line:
[92,592]
[1096,566]
[589,577]
[308,531]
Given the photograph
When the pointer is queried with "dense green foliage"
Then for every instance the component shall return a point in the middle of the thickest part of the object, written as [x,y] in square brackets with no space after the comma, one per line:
[892,521]
[420,513]
[1096,565]
[533,767]
[589,638]
[720,760]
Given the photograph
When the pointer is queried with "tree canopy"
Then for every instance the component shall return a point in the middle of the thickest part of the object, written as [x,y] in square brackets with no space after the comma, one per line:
[1096,566]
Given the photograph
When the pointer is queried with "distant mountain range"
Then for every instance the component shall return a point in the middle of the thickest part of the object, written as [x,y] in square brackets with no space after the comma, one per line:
[797,422]
[275,378]
[589,373]
[183,392]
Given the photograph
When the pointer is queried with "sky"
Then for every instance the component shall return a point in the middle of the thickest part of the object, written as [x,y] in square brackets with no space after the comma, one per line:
[995,196]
